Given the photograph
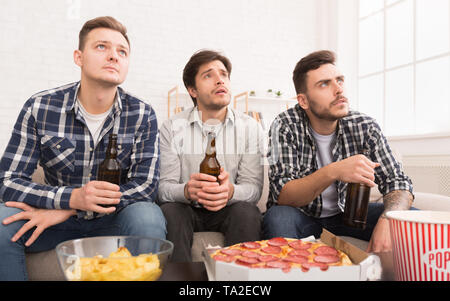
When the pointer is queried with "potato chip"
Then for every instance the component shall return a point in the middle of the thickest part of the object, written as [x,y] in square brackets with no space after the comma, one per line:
[119,266]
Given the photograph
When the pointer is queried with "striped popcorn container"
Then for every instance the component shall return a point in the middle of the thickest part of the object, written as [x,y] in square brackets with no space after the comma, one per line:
[421,245]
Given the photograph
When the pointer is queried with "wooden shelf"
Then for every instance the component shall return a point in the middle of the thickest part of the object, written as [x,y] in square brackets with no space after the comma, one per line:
[179,96]
[266,100]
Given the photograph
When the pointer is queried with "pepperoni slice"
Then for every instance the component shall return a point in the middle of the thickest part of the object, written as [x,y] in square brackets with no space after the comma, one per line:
[326,250]
[250,254]
[299,253]
[231,252]
[278,264]
[286,270]
[247,261]
[267,258]
[224,258]
[299,245]
[296,259]
[326,258]
[271,250]
[251,245]
[307,265]
[277,242]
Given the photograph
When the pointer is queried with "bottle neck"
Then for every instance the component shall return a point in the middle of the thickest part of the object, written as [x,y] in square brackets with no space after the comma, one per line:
[111,152]
[211,147]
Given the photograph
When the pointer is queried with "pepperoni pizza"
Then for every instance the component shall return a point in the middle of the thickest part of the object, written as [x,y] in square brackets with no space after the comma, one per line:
[283,253]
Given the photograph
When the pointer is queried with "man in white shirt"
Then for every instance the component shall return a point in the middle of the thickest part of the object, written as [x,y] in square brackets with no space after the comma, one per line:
[192,201]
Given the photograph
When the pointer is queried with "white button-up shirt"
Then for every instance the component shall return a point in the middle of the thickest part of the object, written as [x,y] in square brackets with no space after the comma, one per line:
[240,143]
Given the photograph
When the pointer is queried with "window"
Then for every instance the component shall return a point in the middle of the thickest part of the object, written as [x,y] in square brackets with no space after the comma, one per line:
[404,65]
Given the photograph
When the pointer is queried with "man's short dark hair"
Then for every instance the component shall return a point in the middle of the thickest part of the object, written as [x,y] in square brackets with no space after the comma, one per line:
[310,62]
[101,22]
[193,65]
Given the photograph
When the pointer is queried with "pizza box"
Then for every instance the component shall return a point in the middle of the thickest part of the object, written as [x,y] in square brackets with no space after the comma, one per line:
[366,266]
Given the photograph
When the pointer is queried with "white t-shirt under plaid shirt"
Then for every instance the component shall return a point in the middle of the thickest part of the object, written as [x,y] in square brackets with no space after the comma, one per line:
[52,131]
[292,154]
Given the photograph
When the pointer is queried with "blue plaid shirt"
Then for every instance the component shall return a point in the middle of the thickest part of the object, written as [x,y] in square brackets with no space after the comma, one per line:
[293,151]
[51,130]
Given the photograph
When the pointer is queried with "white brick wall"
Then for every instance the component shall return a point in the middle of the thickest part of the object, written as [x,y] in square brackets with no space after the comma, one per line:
[263,38]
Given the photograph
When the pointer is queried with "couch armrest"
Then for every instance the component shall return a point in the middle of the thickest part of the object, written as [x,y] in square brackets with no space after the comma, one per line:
[431,201]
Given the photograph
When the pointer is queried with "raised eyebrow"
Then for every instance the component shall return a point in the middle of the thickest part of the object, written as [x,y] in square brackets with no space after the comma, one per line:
[209,70]
[124,47]
[204,72]
[325,81]
[103,42]
[322,81]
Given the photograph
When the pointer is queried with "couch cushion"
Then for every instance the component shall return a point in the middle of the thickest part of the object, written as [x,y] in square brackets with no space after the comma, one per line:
[44,266]
[205,239]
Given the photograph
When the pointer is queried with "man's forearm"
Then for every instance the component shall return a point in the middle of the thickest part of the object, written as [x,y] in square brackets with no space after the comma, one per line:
[301,192]
[397,200]
[35,195]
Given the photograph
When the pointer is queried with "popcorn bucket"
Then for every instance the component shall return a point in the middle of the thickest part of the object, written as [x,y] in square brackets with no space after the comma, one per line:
[421,245]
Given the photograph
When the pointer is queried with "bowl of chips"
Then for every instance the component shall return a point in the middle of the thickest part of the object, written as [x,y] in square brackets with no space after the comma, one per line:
[114,258]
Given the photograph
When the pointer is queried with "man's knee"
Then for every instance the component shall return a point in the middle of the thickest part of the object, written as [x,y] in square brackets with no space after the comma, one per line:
[244,216]
[143,218]
[175,210]
[287,221]
[245,211]
[177,215]
[8,231]
[281,214]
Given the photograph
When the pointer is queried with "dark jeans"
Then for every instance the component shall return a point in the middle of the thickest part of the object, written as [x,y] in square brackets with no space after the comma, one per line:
[286,221]
[238,222]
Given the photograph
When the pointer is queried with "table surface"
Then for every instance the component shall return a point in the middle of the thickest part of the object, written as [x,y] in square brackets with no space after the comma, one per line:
[196,271]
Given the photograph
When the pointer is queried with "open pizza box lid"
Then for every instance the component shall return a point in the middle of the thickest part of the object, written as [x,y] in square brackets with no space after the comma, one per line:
[365,266]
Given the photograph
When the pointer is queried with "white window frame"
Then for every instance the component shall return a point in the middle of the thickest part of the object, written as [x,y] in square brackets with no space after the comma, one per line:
[385,70]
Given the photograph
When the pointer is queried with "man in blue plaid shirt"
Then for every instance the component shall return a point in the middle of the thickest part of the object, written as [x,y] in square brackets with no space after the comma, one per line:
[66,131]
[319,146]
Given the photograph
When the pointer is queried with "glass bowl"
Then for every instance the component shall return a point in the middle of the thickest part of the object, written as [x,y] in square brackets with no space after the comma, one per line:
[104,258]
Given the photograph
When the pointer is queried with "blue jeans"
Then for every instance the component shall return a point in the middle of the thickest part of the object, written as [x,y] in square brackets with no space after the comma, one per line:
[287,221]
[141,219]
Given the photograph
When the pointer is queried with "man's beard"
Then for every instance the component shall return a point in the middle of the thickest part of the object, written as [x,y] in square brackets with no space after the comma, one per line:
[213,106]
[324,114]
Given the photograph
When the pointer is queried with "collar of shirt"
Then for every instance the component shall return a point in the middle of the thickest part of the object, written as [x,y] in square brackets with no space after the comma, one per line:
[72,103]
[307,128]
[195,117]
